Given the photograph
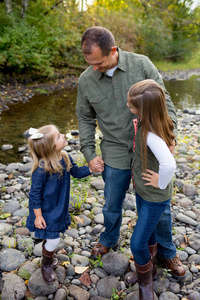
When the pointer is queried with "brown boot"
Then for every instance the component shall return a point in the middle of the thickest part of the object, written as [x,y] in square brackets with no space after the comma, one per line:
[47,266]
[132,278]
[145,281]
[55,260]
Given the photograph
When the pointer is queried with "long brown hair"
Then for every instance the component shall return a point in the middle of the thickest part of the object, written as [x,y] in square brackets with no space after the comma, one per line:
[44,154]
[148,98]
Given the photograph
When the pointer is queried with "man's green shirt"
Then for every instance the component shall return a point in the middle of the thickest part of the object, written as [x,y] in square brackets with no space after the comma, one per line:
[104,99]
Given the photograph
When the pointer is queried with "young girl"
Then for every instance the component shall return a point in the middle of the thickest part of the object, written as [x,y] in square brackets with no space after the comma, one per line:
[50,191]
[153,169]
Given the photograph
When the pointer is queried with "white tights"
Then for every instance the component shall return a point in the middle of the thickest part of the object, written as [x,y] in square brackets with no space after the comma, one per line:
[51,244]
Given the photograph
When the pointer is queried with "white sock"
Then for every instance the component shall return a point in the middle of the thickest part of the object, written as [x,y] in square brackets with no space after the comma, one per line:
[51,244]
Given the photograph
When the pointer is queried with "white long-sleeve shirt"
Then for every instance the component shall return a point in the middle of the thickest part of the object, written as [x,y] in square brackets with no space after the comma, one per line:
[167,164]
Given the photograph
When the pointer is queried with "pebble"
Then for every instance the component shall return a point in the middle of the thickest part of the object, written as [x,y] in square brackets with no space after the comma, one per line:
[20,252]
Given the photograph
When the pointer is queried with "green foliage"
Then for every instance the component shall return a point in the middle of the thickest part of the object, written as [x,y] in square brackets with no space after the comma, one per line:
[40,41]
[49,36]
[117,295]
[23,273]
[96,262]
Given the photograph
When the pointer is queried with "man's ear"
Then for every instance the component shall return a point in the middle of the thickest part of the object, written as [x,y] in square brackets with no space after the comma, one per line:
[113,50]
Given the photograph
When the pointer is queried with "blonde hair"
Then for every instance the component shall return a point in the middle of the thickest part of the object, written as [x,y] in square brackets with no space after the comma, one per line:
[44,154]
[148,97]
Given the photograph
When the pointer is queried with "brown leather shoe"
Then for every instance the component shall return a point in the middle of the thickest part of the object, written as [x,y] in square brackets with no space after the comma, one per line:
[176,267]
[99,249]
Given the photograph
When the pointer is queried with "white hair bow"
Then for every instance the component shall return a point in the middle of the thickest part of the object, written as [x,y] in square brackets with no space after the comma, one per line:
[34,134]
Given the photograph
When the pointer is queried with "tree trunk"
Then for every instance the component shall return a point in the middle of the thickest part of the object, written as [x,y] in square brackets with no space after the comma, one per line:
[24,8]
[8,6]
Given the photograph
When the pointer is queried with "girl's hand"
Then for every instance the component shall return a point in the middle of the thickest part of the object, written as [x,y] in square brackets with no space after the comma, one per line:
[152,178]
[40,222]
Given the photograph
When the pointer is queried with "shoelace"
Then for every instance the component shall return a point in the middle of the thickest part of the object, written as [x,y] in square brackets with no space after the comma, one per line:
[175,261]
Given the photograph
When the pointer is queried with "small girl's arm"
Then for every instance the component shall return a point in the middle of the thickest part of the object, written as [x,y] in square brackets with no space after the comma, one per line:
[39,220]
[167,164]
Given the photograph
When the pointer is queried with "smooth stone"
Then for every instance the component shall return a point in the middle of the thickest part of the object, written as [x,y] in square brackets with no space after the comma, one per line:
[10,259]
[194,241]
[9,242]
[97,184]
[5,228]
[115,263]
[99,219]
[37,286]
[189,189]
[11,206]
[167,296]
[11,167]
[78,293]
[185,219]
[78,260]
[129,202]
[106,285]
[14,287]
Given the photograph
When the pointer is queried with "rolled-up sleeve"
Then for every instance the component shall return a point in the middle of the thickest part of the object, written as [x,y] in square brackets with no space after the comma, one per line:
[87,124]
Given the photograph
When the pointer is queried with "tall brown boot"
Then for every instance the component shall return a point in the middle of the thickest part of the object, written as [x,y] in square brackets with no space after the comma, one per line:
[132,278]
[47,266]
[145,281]
[55,260]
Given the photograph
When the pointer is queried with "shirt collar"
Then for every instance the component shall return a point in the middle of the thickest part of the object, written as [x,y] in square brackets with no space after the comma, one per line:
[121,64]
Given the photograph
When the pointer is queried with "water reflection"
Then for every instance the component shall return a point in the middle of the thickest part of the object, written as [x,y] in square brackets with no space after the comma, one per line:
[59,109]
[185,93]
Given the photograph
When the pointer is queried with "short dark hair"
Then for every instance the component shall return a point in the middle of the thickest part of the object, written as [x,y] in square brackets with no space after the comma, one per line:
[98,36]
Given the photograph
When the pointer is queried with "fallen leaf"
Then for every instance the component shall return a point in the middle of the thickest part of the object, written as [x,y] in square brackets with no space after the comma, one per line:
[186,238]
[78,219]
[26,282]
[10,176]
[198,267]
[183,245]
[85,279]
[66,263]
[62,251]
[19,224]
[80,269]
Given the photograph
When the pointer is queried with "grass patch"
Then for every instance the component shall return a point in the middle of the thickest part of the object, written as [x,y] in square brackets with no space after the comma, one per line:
[191,62]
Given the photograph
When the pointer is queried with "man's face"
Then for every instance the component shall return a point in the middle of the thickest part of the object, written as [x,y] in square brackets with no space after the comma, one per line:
[102,63]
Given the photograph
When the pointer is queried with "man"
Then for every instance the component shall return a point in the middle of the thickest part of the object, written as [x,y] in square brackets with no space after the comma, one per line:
[102,97]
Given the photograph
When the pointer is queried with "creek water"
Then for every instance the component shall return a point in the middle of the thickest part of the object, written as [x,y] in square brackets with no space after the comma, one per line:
[59,109]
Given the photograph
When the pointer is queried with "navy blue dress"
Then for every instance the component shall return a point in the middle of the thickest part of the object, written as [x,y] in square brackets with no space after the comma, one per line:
[51,193]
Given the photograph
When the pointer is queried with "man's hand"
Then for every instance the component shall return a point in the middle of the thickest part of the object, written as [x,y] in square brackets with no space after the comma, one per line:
[152,177]
[96,164]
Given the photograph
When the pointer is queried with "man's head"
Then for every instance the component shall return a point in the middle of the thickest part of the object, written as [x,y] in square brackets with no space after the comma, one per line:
[97,36]
[98,46]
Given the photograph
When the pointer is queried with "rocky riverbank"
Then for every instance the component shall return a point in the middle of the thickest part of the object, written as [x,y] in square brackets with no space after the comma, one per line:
[14,92]
[79,276]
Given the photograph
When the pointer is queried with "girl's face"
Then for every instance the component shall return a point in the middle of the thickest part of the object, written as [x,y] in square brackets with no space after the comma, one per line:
[132,108]
[59,139]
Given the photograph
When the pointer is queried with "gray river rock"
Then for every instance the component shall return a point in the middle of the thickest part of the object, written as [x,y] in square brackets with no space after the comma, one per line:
[20,251]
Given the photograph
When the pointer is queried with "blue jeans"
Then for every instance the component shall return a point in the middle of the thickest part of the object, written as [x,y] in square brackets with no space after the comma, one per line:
[144,234]
[166,248]
[116,185]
